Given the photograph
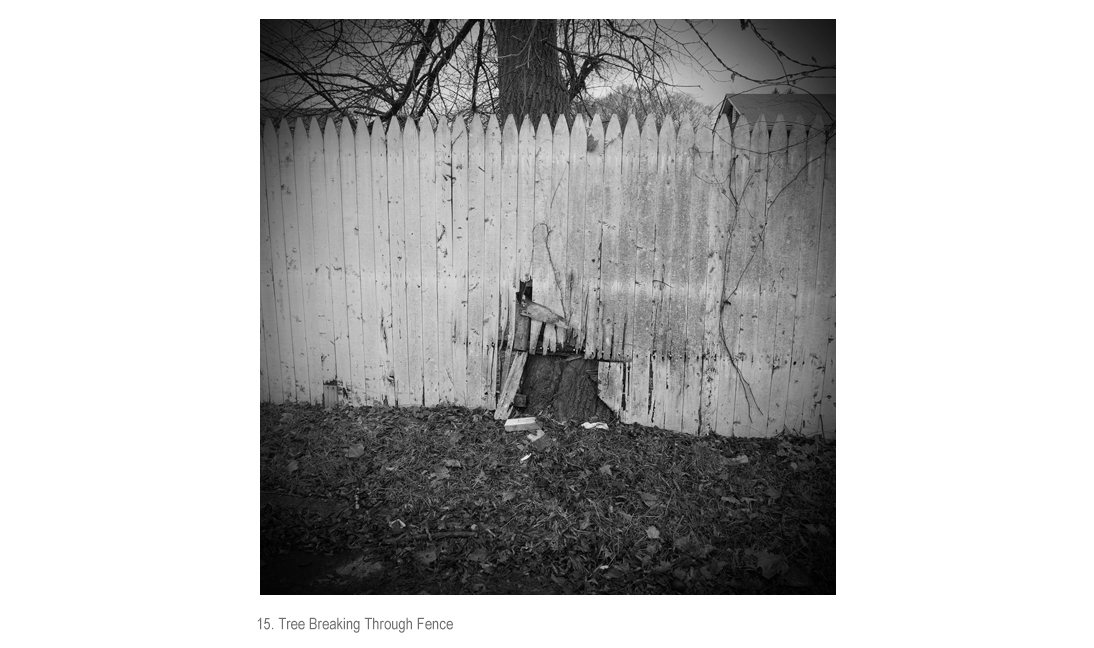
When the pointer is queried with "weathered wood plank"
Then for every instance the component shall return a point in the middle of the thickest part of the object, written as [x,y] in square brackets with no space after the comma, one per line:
[734,405]
[447,299]
[827,287]
[317,167]
[427,190]
[355,385]
[557,232]
[798,208]
[295,281]
[307,260]
[781,250]
[366,227]
[699,249]
[271,367]
[610,279]
[610,382]
[760,327]
[640,331]
[491,271]
[459,260]
[280,277]
[404,380]
[476,232]
[811,280]
[382,247]
[509,269]
[676,278]
[623,340]
[336,239]
[511,386]
[594,218]
[412,222]
[575,233]
[715,361]
[663,228]
[542,278]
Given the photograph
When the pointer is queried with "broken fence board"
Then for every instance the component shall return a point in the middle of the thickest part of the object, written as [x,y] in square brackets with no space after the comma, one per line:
[511,386]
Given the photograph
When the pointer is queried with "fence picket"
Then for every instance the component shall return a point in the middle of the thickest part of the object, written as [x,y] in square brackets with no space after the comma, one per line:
[336,239]
[781,247]
[280,277]
[294,280]
[715,360]
[827,271]
[317,168]
[798,196]
[698,252]
[459,261]
[610,375]
[404,392]
[476,231]
[355,382]
[427,189]
[751,220]
[381,246]
[314,387]
[447,299]
[509,269]
[623,340]
[575,233]
[812,258]
[594,218]
[491,269]
[271,368]
[610,284]
[641,329]
[666,200]
[557,235]
[542,280]
[412,224]
[366,226]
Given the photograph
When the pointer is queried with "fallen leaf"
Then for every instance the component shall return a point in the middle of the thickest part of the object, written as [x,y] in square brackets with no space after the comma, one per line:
[728,499]
[652,533]
[507,495]
[606,469]
[440,472]
[772,493]
[453,463]
[293,466]
[478,555]
[355,451]
[481,479]
[771,564]
[741,459]
[796,577]
[649,499]
[426,557]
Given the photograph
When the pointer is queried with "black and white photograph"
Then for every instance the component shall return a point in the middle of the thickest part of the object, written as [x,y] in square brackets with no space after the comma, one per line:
[548,307]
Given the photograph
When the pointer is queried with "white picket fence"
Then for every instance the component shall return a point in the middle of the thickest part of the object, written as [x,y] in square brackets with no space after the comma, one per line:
[698,266]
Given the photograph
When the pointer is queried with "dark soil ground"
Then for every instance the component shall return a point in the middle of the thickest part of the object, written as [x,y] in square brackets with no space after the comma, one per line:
[405,501]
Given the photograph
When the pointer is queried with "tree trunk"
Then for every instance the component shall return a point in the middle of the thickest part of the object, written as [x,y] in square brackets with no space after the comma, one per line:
[563,389]
[529,77]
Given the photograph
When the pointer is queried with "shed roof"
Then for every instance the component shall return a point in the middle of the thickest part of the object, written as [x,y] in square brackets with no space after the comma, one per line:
[751,106]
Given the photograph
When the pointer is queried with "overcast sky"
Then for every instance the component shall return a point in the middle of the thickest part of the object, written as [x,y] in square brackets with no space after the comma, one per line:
[799,39]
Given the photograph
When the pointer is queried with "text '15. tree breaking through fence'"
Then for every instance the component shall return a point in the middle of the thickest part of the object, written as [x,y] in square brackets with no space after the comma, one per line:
[697,265]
